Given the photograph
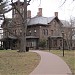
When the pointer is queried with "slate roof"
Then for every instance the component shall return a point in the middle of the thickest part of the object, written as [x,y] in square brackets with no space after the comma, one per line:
[37,20]
[40,20]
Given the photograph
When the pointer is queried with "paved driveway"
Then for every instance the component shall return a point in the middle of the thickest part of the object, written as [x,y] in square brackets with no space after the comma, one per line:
[50,64]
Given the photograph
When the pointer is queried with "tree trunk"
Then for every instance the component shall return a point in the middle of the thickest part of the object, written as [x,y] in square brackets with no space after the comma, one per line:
[24,28]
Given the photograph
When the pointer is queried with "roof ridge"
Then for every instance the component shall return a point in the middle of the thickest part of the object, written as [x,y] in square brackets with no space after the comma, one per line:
[40,16]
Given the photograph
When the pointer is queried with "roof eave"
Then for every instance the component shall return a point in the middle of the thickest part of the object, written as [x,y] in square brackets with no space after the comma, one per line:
[38,24]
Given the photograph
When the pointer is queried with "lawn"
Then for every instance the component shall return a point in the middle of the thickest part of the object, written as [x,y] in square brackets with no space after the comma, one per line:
[15,63]
[69,58]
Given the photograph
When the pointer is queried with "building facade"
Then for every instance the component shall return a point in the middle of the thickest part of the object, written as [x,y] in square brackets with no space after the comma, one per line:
[38,28]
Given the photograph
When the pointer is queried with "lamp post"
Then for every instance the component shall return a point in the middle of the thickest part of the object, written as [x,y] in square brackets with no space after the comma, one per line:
[49,42]
[63,42]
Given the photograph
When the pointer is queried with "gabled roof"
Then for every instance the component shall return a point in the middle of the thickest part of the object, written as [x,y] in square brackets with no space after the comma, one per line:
[36,20]
[40,20]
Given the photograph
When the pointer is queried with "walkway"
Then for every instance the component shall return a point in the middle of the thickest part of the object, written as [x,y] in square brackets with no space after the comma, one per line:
[50,64]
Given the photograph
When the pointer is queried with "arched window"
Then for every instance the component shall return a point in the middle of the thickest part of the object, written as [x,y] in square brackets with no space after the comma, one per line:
[43,31]
[46,31]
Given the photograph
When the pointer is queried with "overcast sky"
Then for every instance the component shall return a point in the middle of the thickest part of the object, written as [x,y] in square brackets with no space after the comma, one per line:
[51,6]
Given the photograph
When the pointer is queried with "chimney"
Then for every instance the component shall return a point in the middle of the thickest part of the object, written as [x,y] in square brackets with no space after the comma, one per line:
[28,14]
[39,12]
[56,14]
[18,1]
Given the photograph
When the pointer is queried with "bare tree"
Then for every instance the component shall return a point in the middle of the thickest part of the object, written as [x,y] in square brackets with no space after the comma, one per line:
[72,31]
[22,38]
[69,32]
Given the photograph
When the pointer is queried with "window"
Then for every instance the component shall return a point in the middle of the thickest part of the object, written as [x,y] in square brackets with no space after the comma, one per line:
[29,32]
[34,31]
[61,43]
[44,31]
[55,43]
[51,32]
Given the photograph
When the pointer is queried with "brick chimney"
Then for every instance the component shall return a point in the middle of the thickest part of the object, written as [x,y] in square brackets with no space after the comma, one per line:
[39,12]
[28,14]
[56,14]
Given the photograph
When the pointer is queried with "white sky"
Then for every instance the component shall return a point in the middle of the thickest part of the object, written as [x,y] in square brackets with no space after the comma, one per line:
[51,6]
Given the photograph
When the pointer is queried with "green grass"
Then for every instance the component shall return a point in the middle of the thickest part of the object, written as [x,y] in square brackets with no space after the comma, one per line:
[14,63]
[69,58]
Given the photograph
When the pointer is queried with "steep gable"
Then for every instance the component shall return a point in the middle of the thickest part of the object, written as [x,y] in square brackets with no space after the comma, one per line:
[40,20]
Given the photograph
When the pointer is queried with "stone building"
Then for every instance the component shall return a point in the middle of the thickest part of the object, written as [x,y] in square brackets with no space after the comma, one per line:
[38,28]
